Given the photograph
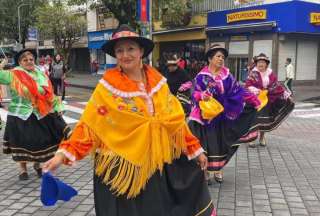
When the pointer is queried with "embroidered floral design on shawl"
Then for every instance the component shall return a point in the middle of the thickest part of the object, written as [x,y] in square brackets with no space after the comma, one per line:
[133,145]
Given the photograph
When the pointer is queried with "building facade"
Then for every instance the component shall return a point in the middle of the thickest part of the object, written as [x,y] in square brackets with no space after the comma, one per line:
[188,42]
[286,29]
[100,28]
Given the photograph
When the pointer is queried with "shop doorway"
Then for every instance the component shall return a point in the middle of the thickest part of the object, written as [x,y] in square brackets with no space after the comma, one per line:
[238,67]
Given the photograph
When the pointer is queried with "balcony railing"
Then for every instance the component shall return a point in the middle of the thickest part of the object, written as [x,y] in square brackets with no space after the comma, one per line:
[219,5]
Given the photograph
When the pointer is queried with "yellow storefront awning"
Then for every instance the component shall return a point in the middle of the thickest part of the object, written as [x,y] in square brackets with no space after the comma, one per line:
[182,34]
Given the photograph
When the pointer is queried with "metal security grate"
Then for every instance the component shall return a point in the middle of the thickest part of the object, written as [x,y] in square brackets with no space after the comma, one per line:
[219,5]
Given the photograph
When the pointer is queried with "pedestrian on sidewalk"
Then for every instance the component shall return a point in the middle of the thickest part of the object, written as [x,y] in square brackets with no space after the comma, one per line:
[43,67]
[58,75]
[94,67]
[34,125]
[279,105]
[289,75]
[218,135]
[141,146]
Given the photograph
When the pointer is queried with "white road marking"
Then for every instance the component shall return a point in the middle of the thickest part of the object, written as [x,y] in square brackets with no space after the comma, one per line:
[69,120]
[74,109]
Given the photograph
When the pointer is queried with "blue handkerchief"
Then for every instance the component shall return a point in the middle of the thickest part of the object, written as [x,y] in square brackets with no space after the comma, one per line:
[52,190]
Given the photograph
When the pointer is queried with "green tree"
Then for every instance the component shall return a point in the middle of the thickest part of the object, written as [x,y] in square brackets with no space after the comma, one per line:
[125,10]
[56,22]
[9,18]
[175,13]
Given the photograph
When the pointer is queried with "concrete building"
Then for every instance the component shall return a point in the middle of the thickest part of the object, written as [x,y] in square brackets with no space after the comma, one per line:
[280,29]
[100,28]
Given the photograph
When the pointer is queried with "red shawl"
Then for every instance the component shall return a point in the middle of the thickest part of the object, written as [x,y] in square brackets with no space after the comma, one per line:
[42,102]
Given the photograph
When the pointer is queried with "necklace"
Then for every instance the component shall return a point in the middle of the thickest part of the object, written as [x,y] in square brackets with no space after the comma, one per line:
[143,77]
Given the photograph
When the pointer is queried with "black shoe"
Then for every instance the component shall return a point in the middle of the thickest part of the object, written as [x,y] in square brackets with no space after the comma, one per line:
[38,169]
[209,182]
[23,176]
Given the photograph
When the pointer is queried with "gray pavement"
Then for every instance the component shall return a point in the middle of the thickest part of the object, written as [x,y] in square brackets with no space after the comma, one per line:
[307,93]
[280,179]
[87,81]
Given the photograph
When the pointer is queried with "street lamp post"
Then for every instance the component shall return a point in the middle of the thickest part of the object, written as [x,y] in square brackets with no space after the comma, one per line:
[19,26]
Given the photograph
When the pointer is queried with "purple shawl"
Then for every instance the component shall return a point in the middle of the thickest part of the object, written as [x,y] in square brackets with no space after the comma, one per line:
[269,82]
[224,88]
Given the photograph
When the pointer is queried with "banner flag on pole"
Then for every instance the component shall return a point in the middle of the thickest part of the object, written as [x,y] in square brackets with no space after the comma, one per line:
[143,10]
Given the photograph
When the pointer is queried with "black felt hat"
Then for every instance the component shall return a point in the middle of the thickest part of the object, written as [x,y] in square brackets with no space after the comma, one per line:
[126,32]
[263,57]
[17,56]
[214,48]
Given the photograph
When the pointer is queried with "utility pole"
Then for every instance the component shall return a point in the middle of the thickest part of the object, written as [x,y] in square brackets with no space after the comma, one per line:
[150,26]
[19,25]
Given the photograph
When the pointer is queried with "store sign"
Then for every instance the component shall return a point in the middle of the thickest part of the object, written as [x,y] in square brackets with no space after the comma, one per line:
[315,18]
[247,15]
[32,34]
[238,38]
[103,37]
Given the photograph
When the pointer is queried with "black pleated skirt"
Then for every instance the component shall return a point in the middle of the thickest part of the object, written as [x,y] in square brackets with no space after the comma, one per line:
[221,140]
[180,190]
[272,115]
[32,139]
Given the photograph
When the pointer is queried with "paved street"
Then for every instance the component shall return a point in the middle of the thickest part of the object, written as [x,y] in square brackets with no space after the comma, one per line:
[281,179]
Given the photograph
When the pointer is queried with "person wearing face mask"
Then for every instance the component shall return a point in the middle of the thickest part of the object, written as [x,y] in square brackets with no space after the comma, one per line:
[218,135]
[279,105]
[34,126]
[142,148]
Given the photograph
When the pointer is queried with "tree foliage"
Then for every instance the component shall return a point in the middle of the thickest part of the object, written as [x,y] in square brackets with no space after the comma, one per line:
[56,22]
[9,18]
[125,11]
[175,13]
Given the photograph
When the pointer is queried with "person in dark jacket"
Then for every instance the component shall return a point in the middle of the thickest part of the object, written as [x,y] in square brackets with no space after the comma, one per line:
[175,76]
[179,83]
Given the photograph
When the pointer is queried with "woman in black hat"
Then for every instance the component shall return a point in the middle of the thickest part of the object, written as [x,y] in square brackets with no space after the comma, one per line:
[34,125]
[142,147]
[279,105]
[219,134]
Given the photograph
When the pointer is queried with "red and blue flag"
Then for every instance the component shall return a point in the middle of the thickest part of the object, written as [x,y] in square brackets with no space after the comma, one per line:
[143,10]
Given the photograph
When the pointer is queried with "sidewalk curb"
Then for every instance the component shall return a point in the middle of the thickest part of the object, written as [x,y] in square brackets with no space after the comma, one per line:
[81,86]
[317,98]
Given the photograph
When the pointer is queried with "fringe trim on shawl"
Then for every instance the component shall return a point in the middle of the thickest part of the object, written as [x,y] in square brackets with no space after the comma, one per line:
[128,179]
